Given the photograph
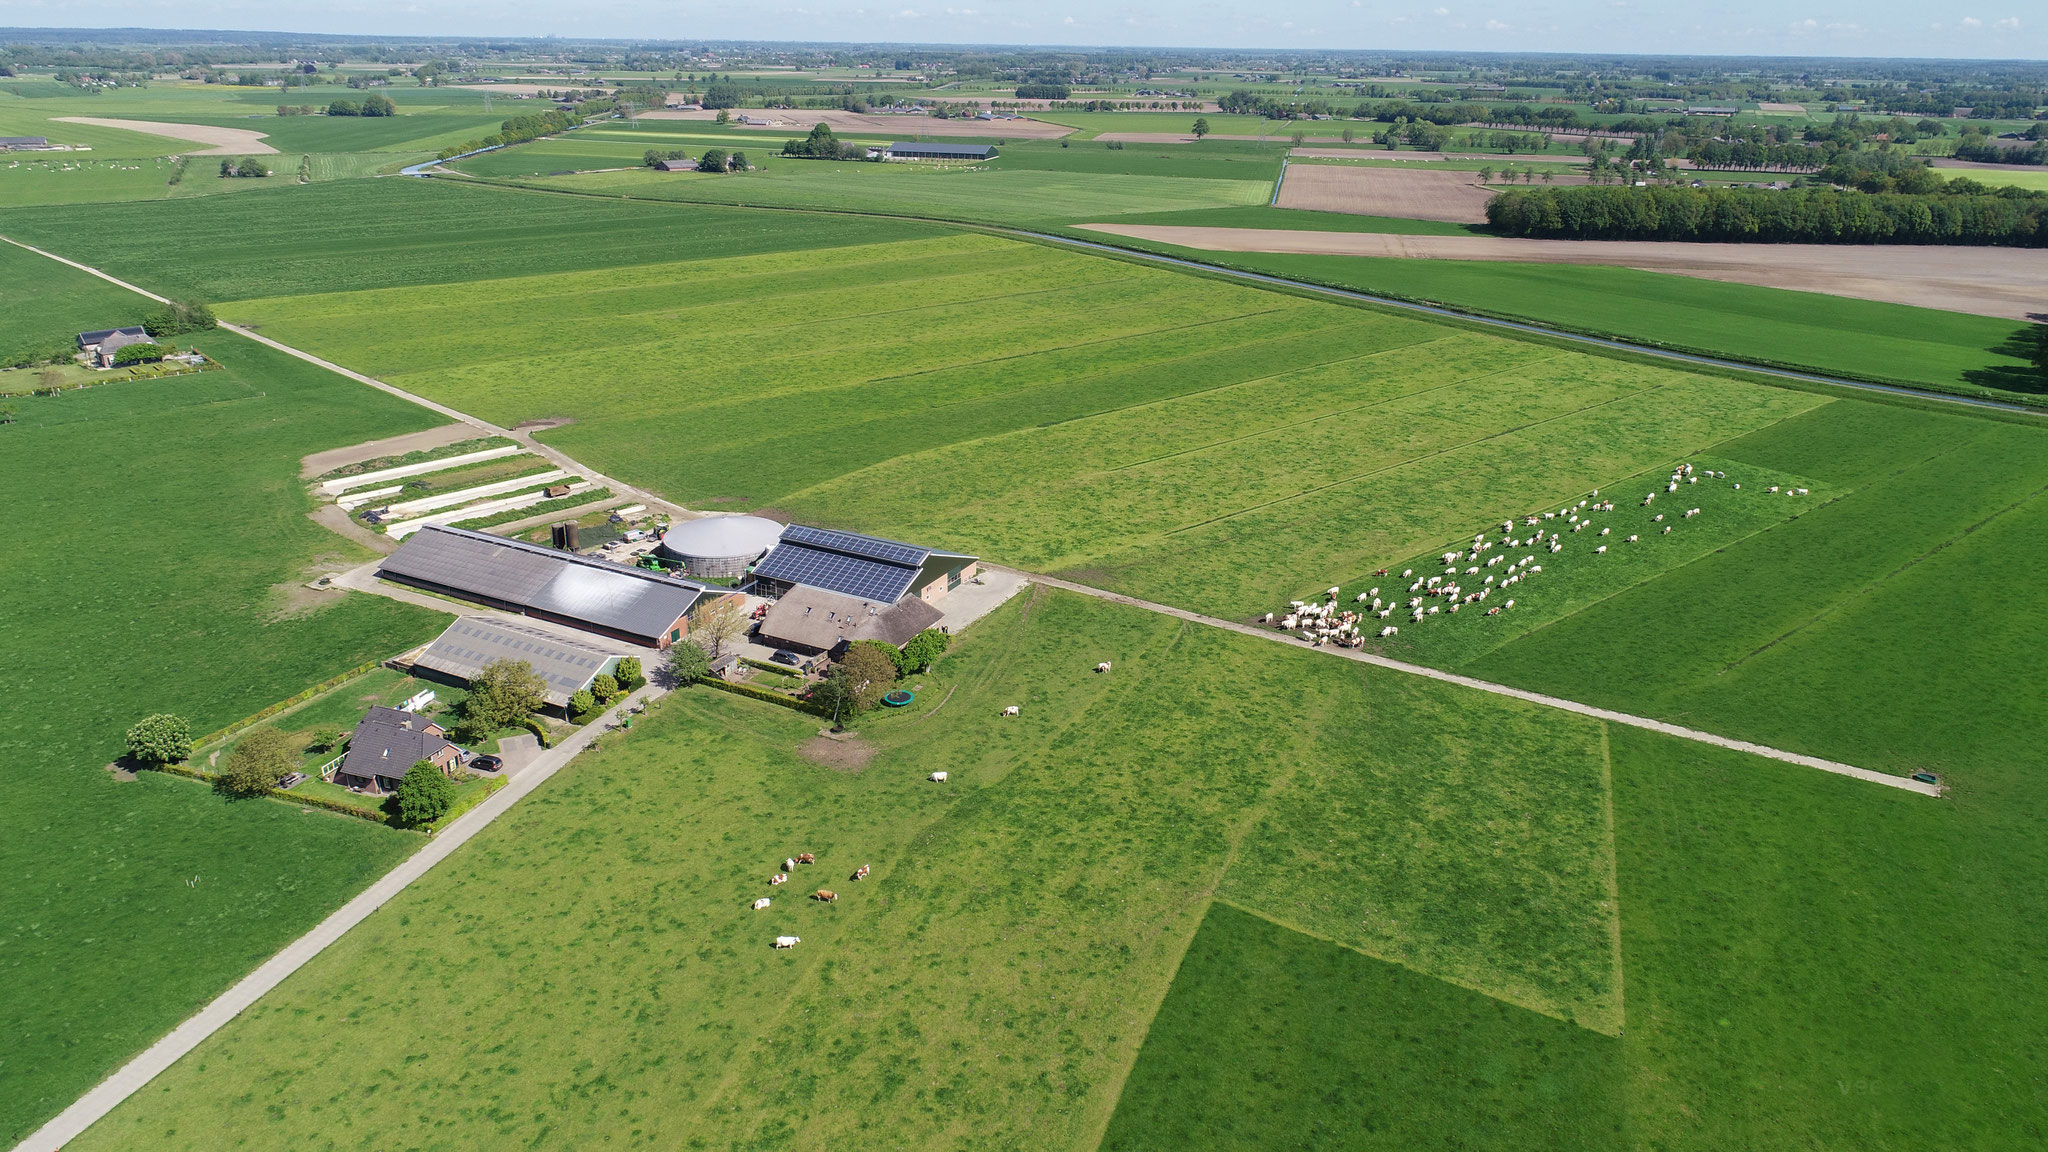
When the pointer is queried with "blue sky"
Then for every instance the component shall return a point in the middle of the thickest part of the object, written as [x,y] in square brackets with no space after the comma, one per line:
[1953,28]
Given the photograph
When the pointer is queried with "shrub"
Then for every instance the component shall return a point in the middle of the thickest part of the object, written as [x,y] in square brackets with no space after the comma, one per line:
[139,354]
[378,104]
[258,763]
[714,160]
[501,694]
[629,674]
[160,739]
[687,662]
[424,794]
[605,688]
[924,649]
[889,652]
[344,108]
[582,705]
[179,316]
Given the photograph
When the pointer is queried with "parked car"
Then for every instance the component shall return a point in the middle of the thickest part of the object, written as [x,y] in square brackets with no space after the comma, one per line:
[785,656]
[487,764]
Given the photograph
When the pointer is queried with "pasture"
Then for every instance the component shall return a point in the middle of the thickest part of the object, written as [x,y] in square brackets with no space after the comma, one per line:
[1151,909]
[157,542]
[1110,420]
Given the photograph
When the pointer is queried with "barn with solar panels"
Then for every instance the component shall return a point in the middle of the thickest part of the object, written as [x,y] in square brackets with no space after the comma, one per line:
[868,569]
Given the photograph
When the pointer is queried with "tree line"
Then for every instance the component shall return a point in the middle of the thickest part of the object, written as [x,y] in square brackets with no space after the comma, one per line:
[1964,212]
[520,129]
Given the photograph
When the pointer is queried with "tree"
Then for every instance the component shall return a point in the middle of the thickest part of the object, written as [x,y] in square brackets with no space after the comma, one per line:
[870,672]
[1486,173]
[837,692]
[326,739]
[582,705]
[605,688]
[712,161]
[424,794]
[501,694]
[344,108]
[1298,137]
[921,651]
[738,163]
[258,763]
[687,662]
[721,624]
[1349,135]
[179,316]
[378,104]
[160,739]
[1201,127]
[628,673]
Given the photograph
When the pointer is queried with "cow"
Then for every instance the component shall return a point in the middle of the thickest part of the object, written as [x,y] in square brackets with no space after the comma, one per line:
[789,864]
[825,896]
[1102,667]
[806,858]
[779,878]
[1010,711]
[937,777]
[760,904]
[788,941]
[860,873]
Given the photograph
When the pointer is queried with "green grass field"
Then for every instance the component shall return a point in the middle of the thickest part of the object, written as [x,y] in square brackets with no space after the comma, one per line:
[158,538]
[1950,351]
[1230,896]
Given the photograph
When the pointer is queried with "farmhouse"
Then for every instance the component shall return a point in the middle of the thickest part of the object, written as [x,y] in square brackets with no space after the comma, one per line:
[100,346]
[567,665]
[866,568]
[812,620]
[583,592]
[386,743]
[906,150]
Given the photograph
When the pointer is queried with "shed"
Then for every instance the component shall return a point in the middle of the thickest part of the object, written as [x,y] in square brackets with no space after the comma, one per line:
[912,150]
[683,164]
[568,665]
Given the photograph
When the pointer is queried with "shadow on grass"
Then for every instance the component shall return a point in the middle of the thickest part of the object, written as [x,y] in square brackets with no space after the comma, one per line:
[2029,346]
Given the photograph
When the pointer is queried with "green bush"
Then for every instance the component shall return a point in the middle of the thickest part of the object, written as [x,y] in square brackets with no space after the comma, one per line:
[424,795]
[537,726]
[605,688]
[629,673]
[258,763]
[582,706]
[764,694]
[160,739]
[139,354]
[688,661]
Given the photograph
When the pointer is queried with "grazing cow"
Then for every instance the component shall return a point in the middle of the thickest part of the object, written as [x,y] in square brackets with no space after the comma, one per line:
[1659,518]
[1671,487]
[1631,538]
[788,941]
[1455,607]
[1605,531]
[1361,598]
[789,864]
[937,777]
[1012,709]
[761,903]
[779,878]
[1494,611]
[1332,593]
[1667,529]
[1389,630]
[1509,604]
[806,858]
[1772,488]
[825,896]
[1102,667]
[1536,568]
[1407,572]
[1600,549]
[1379,572]
[1738,487]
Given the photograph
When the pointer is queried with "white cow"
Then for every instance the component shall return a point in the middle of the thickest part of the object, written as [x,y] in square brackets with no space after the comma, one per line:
[1389,630]
[789,864]
[1102,667]
[1010,711]
[761,903]
[1600,549]
[937,777]
[788,941]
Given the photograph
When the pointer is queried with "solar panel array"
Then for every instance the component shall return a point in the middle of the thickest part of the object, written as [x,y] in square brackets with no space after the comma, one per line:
[855,544]
[855,576]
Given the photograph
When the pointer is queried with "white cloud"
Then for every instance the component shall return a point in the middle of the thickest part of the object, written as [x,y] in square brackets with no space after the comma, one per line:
[1497,26]
[1803,27]
[1068,20]
[1443,11]
[1972,22]
[2009,24]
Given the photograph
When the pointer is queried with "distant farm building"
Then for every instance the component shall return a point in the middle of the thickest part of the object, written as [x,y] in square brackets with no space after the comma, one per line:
[720,547]
[24,143]
[583,592]
[866,568]
[684,164]
[569,666]
[388,742]
[102,345]
[906,150]
[814,620]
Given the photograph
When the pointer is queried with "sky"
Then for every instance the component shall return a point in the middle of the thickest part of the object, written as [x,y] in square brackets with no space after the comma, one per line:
[1980,29]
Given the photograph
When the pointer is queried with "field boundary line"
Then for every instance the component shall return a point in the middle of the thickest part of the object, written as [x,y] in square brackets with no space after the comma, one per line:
[133,1076]
[1538,698]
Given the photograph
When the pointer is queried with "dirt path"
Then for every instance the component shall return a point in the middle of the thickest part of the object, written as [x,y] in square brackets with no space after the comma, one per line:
[1491,688]
[2007,283]
[333,458]
[224,141]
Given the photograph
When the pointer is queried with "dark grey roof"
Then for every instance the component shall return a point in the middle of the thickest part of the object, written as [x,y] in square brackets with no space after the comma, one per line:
[584,591]
[474,641]
[945,151]
[23,141]
[136,330]
[682,165]
[864,567]
[387,742]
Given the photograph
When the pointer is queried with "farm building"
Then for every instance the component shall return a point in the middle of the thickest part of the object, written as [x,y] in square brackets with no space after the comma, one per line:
[814,620]
[583,592]
[681,164]
[386,743]
[24,143]
[720,546]
[567,665]
[863,567]
[908,150]
[102,345]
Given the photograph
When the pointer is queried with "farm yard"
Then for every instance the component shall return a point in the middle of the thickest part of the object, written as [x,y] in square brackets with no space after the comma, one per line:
[158,544]
[1487,888]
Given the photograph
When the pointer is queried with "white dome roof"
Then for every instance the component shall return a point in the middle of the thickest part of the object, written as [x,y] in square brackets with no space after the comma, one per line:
[720,537]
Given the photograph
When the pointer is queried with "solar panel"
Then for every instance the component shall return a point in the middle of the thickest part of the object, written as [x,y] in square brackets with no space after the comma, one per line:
[855,544]
[597,592]
[855,576]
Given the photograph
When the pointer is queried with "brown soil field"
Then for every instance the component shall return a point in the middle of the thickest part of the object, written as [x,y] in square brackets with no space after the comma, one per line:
[2001,282]
[1375,152]
[1410,193]
[224,141]
[899,127]
[1783,109]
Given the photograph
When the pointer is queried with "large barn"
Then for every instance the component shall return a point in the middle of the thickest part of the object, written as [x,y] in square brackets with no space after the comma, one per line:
[915,150]
[866,568]
[631,604]
[569,666]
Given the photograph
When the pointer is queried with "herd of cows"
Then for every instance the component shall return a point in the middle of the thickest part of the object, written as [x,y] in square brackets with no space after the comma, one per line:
[1469,576]
[822,895]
